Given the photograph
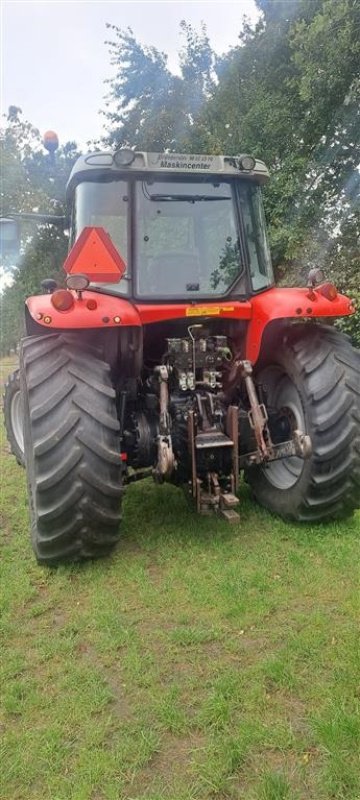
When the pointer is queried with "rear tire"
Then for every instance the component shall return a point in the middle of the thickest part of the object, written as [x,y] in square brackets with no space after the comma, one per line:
[13,416]
[314,372]
[71,443]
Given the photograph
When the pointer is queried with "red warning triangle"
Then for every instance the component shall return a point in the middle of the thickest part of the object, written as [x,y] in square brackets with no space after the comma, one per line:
[94,255]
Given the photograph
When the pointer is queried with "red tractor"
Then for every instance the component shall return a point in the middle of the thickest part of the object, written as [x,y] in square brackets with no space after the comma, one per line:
[171,353]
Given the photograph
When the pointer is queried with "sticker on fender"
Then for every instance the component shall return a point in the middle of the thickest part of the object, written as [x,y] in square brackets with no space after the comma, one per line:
[207,311]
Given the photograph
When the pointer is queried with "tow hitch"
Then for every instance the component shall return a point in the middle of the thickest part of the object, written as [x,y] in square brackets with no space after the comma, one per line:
[213,493]
[210,494]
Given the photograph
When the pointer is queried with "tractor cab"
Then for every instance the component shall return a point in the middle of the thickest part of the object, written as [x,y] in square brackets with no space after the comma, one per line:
[188,227]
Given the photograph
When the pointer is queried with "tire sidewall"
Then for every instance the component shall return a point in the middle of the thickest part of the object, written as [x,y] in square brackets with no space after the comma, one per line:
[12,387]
[29,456]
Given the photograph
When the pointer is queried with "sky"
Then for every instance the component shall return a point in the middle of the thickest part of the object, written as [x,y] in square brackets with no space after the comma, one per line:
[55,61]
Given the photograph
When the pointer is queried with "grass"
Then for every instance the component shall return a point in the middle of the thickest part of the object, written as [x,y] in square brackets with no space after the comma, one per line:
[201,661]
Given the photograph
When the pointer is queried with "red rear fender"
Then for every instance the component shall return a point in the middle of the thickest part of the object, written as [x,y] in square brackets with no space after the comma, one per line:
[110,312]
[289,304]
[113,311]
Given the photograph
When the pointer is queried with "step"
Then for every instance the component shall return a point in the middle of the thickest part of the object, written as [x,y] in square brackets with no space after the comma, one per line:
[212,439]
[228,500]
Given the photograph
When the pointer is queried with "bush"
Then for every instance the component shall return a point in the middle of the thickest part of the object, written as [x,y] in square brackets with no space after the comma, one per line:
[351,325]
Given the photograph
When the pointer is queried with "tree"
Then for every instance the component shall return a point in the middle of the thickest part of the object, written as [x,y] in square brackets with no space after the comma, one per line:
[30,183]
[43,258]
[290,94]
[18,140]
[148,107]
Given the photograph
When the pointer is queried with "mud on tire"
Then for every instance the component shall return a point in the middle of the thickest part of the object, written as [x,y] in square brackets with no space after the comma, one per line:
[322,370]
[71,438]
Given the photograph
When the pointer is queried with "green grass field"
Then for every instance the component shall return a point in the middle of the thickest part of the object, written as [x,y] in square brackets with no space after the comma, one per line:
[200,661]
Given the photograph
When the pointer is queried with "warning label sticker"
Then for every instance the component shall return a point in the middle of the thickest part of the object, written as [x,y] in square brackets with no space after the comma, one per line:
[207,311]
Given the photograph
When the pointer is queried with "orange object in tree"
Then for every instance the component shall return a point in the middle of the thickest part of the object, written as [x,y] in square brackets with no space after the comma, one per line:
[51,141]
[94,255]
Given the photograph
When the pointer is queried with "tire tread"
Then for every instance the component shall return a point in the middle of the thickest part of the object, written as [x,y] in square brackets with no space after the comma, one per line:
[328,369]
[72,449]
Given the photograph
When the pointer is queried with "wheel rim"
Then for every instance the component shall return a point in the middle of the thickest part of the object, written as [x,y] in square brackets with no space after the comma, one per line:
[282,393]
[17,422]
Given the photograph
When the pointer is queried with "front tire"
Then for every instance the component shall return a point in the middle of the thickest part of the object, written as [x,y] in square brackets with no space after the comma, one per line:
[314,376]
[71,443]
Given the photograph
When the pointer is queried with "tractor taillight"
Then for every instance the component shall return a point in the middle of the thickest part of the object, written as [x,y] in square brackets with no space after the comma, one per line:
[328,290]
[91,304]
[62,300]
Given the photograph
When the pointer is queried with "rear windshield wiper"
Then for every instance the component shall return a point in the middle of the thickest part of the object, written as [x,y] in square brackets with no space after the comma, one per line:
[188,198]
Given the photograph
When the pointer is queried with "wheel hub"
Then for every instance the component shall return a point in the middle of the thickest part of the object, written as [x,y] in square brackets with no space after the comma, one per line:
[282,394]
[16,416]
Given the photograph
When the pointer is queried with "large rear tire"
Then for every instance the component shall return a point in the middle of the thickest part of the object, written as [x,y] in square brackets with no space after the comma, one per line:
[13,416]
[314,376]
[71,443]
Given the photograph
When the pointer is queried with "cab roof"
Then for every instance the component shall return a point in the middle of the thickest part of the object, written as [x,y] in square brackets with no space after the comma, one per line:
[95,165]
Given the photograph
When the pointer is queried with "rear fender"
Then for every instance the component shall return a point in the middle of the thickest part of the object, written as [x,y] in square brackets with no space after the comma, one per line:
[110,312]
[283,304]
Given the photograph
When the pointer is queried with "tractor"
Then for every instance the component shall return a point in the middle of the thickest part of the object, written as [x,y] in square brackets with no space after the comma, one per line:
[171,353]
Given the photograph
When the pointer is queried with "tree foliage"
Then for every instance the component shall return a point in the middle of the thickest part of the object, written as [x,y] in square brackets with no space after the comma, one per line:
[43,259]
[149,107]
[30,183]
[290,95]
